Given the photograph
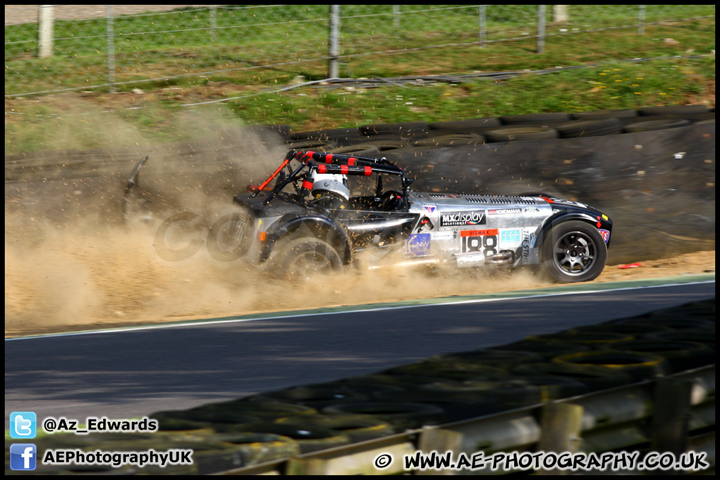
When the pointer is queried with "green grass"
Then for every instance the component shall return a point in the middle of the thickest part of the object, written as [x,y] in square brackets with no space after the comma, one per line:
[240,56]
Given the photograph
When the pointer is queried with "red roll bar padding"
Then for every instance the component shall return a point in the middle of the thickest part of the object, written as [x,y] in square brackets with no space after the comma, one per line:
[265,183]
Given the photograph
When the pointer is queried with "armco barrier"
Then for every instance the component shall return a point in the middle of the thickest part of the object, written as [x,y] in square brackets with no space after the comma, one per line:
[623,400]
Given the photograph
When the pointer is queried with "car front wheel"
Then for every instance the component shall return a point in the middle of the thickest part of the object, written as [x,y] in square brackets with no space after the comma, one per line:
[574,252]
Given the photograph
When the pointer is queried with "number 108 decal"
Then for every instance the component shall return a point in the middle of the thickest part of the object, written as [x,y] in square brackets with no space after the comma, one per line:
[485,241]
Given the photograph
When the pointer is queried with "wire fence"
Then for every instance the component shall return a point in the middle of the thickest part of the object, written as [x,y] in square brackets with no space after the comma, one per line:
[45,51]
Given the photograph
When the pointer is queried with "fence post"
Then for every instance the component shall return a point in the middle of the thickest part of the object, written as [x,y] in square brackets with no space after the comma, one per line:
[396,17]
[560,13]
[111,49]
[483,25]
[541,29]
[334,41]
[641,19]
[45,30]
[561,427]
[213,22]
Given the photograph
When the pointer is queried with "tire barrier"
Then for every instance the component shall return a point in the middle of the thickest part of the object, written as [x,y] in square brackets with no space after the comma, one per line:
[451,369]
[401,129]
[676,322]
[357,427]
[589,339]
[673,110]
[503,359]
[685,336]
[597,115]
[339,135]
[314,396]
[509,134]
[401,415]
[450,140]
[637,365]
[680,355]
[651,125]
[307,438]
[637,330]
[589,128]
[545,350]
[592,376]
[473,125]
[535,118]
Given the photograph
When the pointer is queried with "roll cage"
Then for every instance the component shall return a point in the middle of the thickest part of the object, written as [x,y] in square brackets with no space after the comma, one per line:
[332,163]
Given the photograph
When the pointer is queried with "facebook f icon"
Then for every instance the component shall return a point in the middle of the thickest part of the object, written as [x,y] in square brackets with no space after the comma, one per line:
[23,425]
[23,456]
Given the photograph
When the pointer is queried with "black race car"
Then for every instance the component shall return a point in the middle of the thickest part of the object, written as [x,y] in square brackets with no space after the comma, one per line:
[327,210]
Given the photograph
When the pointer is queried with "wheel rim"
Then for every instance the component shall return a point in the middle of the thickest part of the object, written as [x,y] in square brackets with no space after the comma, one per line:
[574,253]
[308,263]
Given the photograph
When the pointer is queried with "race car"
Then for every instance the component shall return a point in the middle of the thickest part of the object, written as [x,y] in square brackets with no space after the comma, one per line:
[326,211]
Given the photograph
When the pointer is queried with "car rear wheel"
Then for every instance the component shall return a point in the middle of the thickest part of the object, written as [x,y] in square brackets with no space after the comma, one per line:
[305,257]
[574,252]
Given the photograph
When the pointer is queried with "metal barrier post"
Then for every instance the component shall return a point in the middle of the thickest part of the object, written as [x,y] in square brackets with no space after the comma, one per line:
[111,49]
[560,424]
[541,29]
[333,71]
[45,19]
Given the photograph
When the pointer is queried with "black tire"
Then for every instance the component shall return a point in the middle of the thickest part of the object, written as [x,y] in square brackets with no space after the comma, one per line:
[307,438]
[450,140]
[310,143]
[473,125]
[520,133]
[401,415]
[447,369]
[680,355]
[638,330]
[589,339]
[593,377]
[597,115]
[535,118]
[573,251]
[589,128]
[638,366]
[673,110]
[360,150]
[400,129]
[357,427]
[315,396]
[327,135]
[503,359]
[652,125]
[303,257]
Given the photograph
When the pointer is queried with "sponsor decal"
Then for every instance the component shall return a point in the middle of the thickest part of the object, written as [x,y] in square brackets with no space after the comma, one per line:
[510,236]
[457,219]
[569,202]
[447,235]
[531,210]
[479,241]
[418,244]
[605,234]
[430,210]
[528,241]
[504,211]
[478,233]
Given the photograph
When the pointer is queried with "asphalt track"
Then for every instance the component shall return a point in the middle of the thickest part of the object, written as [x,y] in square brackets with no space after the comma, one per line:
[129,373]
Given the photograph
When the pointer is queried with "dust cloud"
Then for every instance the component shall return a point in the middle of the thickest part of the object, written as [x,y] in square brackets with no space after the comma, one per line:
[72,263]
